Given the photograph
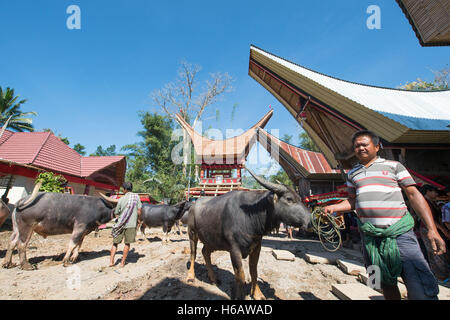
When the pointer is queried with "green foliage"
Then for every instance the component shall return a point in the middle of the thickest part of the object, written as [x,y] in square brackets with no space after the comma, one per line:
[80,149]
[65,140]
[150,166]
[250,183]
[51,182]
[281,176]
[10,106]
[441,81]
[109,151]
[287,138]
[307,143]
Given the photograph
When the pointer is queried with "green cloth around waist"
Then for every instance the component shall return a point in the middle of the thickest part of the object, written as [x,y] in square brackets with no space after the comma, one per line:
[381,246]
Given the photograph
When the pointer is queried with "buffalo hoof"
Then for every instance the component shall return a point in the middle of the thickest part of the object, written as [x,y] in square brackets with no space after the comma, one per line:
[259,297]
[8,265]
[66,263]
[27,266]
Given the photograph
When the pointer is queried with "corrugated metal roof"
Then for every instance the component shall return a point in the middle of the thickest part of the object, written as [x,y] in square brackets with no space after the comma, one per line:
[312,162]
[416,110]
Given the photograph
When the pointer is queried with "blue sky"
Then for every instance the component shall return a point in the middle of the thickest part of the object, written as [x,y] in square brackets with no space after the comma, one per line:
[89,84]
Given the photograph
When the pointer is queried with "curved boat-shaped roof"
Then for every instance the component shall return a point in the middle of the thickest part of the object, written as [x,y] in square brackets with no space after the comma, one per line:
[417,110]
[331,110]
[229,151]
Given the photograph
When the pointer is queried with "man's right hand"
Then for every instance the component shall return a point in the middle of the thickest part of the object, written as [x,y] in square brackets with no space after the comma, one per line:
[329,209]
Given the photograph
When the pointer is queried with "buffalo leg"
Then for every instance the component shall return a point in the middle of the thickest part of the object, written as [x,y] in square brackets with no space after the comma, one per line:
[24,238]
[72,246]
[239,275]
[74,241]
[193,238]
[253,267]
[7,261]
[142,228]
[207,256]
[166,231]
[4,213]
[76,251]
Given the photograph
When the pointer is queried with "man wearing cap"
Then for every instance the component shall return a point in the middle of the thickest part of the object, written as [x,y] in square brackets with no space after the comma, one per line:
[129,209]
[375,188]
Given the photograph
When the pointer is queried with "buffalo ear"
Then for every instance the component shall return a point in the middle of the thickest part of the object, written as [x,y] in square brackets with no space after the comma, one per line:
[180,204]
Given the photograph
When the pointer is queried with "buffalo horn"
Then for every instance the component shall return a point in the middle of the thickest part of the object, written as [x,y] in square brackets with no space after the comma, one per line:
[34,194]
[274,187]
[115,201]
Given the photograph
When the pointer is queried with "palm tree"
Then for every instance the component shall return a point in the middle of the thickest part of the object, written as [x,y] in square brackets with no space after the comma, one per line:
[10,108]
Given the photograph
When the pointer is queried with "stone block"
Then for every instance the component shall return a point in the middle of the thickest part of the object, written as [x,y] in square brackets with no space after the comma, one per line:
[444,293]
[351,267]
[355,291]
[283,255]
[323,257]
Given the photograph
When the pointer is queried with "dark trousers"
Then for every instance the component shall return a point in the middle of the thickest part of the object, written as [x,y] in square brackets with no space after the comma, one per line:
[416,273]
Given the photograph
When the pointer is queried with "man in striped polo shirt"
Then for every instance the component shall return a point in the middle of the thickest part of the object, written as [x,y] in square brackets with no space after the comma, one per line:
[375,191]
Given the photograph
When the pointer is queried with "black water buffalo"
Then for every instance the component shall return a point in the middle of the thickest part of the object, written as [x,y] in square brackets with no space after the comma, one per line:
[4,212]
[236,222]
[49,214]
[162,215]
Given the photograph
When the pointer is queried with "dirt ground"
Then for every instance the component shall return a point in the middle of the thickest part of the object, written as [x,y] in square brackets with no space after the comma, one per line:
[158,271]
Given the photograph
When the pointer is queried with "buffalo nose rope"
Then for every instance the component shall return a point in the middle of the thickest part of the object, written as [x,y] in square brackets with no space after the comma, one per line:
[328,228]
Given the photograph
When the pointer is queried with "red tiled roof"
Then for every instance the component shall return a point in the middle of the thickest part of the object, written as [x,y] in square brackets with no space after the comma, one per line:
[89,165]
[6,135]
[45,150]
[23,147]
[312,162]
[56,155]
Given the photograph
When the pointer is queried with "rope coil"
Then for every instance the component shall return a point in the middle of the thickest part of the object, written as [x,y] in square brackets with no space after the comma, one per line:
[328,228]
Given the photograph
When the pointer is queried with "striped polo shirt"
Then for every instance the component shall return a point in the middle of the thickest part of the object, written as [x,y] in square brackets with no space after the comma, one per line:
[378,192]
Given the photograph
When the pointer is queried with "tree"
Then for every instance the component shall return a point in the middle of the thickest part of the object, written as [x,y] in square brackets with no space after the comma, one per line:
[281,176]
[109,151]
[287,138]
[441,81]
[10,107]
[150,166]
[181,95]
[80,149]
[307,143]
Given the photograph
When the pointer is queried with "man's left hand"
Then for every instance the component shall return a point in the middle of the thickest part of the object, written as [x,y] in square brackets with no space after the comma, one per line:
[437,244]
